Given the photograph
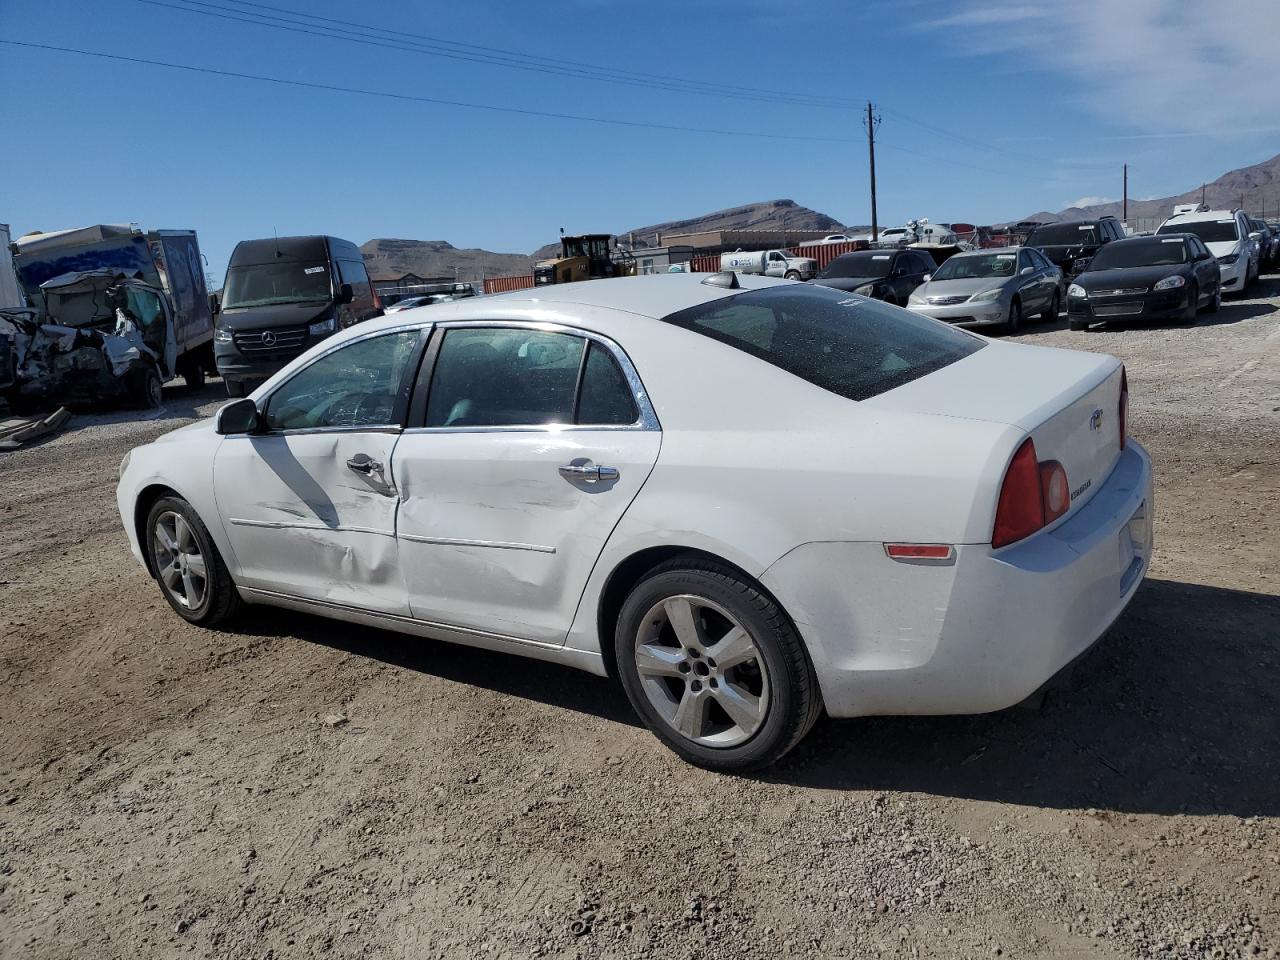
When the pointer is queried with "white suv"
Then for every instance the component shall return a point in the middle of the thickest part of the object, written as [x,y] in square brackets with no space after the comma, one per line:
[1226,234]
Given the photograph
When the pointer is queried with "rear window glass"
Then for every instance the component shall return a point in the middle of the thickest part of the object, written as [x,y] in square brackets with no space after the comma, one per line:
[1210,231]
[853,346]
[1063,234]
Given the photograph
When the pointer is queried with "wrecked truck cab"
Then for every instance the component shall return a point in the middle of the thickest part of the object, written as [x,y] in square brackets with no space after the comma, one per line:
[99,337]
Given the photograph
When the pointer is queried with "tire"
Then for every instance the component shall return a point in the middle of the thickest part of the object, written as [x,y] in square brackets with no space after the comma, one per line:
[145,389]
[175,539]
[193,376]
[1216,304]
[1055,308]
[792,275]
[235,388]
[1014,323]
[1193,306]
[771,687]
[1078,324]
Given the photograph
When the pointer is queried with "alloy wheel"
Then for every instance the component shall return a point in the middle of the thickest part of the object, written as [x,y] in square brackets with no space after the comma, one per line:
[179,562]
[702,671]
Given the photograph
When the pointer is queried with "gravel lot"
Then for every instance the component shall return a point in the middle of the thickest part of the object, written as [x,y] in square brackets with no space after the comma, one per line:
[305,788]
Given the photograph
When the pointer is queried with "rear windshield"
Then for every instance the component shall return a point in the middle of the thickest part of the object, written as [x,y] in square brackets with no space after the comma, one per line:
[1147,252]
[853,346]
[868,263]
[1210,231]
[1062,235]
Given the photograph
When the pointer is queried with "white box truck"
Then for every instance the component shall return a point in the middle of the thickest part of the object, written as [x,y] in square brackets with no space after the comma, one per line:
[770,263]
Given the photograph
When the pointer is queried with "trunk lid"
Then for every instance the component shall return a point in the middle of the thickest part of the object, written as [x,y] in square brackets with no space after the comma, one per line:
[1067,401]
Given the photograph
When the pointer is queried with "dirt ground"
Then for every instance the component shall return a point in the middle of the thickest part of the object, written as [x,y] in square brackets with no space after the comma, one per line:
[167,791]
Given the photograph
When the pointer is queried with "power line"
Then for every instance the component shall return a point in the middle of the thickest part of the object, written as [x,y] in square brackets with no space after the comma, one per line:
[427,46]
[437,101]
[966,140]
[526,56]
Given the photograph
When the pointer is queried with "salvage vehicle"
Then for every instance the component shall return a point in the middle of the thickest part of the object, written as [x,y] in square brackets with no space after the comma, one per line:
[770,263]
[96,336]
[1169,277]
[586,257]
[1070,245]
[747,500]
[167,261]
[991,288]
[1226,234]
[283,295]
[889,275]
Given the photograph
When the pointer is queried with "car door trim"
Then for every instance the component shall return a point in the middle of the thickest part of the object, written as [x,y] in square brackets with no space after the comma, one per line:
[647,420]
[305,525]
[494,544]
[463,634]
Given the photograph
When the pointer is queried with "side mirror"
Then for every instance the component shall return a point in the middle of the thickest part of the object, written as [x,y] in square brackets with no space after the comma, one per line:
[928,277]
[240,416]
[1255,235]
[215,305]
[345,294]
[1026,272]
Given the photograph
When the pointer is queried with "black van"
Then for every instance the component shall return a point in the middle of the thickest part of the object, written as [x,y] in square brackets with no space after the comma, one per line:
[281,296]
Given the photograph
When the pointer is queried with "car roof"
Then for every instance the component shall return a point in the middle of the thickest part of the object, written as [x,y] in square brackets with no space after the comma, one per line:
[1202,215]
[655,296]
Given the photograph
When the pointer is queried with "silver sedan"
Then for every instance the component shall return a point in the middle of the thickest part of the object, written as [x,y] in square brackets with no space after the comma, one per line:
[992,288]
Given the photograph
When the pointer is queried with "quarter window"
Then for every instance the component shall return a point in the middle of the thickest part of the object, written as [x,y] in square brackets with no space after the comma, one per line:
[357,385]
[606,396]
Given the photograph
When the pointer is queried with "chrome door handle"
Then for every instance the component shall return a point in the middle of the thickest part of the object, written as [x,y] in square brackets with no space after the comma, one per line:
[588,471]
[365,464]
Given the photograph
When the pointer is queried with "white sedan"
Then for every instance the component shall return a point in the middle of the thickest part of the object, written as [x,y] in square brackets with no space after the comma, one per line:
[747,500]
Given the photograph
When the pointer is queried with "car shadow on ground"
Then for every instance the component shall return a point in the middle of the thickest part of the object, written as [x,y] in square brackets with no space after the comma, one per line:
[1176,711]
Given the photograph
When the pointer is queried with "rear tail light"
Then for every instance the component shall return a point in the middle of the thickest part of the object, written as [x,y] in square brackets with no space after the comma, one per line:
[377,300]
[1033,494]
[1124,406]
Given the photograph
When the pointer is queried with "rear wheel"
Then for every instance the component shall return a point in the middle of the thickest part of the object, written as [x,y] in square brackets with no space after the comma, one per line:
[187,565]
[235,388]
[193,375]
[714,667]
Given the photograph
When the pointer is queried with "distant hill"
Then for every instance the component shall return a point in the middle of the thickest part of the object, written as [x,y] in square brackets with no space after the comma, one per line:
[764,215]
[387,259]
[1259,185]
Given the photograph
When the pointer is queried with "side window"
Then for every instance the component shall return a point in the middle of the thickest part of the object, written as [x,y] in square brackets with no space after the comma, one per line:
[349,271]
[1024,260]
[503,377]
[926,264]
[1041,260]
[354,386]
[606,396]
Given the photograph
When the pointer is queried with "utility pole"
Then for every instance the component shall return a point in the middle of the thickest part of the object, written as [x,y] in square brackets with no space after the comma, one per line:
[1124,215]
[871,123]
[1202,203]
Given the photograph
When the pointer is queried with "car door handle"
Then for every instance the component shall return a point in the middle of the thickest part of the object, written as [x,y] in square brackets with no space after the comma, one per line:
[364,464]
[588,471]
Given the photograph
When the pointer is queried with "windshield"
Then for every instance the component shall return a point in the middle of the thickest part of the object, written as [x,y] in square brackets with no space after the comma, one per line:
[259,284]
[854,347]
[1062,234]
[864,264]
[977,267]
[1210,231]
[1148,252]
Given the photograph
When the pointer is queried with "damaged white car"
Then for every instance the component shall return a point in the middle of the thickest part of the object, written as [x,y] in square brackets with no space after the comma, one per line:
[97,335]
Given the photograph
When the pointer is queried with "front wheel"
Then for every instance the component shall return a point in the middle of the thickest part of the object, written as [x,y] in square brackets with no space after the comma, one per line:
[187,564]
[145,390]
[1055,308]
[714,667]
[193,375]
[1216,304]
[1193,306]
[793,275]
[1014,323]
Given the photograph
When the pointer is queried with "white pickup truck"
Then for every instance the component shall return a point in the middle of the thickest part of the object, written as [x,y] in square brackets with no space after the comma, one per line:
[770,263]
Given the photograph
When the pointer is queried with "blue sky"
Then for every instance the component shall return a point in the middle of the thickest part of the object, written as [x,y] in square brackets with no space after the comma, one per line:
[992,109]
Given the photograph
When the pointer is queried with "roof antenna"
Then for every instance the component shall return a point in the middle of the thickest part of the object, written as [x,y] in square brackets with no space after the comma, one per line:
[276,234]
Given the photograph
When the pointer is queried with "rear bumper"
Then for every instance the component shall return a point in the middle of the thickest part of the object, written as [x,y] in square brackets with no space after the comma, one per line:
[977,634]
